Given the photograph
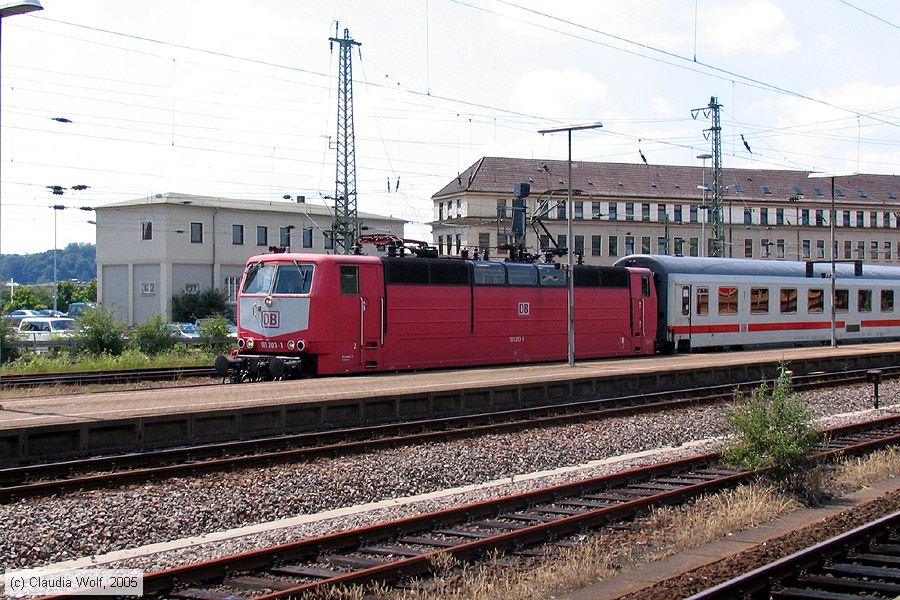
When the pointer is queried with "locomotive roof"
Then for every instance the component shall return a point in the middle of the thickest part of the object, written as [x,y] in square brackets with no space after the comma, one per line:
[671,265]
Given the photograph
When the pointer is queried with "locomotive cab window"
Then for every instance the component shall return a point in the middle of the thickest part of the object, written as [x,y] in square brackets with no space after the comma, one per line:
[490,274]
[887,300]
[841,300]
[349,280]
[258,279]
[293,279]
[550,276]
[728,301]
[702,301]
[521,274]
[815,301]
[864,300]
[788,300]
[759,301]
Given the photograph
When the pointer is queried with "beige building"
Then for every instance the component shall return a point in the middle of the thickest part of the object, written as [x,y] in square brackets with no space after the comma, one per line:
[151,249]
[622,209]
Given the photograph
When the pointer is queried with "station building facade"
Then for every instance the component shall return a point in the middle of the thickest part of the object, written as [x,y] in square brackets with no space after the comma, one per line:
[154,248]
[621,209]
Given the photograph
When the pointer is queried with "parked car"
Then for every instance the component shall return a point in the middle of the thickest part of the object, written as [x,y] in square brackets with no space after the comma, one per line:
[232,328]
[184,331]
[76,309]
[16,316]
[50,313]
[44,329]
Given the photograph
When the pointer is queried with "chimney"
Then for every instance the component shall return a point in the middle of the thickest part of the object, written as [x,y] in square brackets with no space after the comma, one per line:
[301,199]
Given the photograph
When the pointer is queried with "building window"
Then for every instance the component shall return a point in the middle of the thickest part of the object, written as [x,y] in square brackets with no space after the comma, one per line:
[779,248]
[764,246]
[596,213]
[662,245]
[804,217]
[545,242]
[629,211]
[645,211]
[230,287]
[561,241]
[440,244]
[748,216]
[543,207]
[484,241]
[846,218]
[873,218]
[693,213]
[679,214]
[848,249]
[613,211]
[629,244]
[328,236]
[501,208]
[192,288]
[440,211]
[284,237]
[728,301]
[307,237]
[779,216]
[860,250]
[560,210]
[196,233]
[262,235]
[458,242]
[595,245]
[820,248]
[874,250]
[645,244]
[887,250]
[807,246]
[613,245]
[146,230]
[694,246]
[237,235]
[579,210]
[748,248]
[759,301]
[579,245]
[148,288]
[788,300]
[815,301]
[820,218]
[886,219]
[763,216]
[661,214]
[679,246]
[860,218]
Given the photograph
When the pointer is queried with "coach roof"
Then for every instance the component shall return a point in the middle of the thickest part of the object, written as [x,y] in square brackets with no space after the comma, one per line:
[744,267]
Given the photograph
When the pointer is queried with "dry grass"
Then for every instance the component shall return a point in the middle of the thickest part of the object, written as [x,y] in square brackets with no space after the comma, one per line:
[859,472]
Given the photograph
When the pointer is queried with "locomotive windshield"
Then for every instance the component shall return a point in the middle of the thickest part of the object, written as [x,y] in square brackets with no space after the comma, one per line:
[288,279]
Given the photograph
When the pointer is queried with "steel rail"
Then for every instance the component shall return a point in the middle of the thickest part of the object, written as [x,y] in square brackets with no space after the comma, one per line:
[375,553]
[50,478]
[829,567]
[111,376]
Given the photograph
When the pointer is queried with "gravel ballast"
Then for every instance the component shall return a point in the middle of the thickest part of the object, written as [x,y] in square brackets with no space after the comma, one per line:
[48,530]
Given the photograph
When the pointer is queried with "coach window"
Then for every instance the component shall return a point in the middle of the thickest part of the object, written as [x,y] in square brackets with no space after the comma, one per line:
[685,300]
[759,301]
[788,300]
[702,301]
[349,280]
[815,301]
[841,300]
[864,300]
[728,301]
[887,300]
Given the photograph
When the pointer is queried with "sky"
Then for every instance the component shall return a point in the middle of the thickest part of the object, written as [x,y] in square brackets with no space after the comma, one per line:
[239,98]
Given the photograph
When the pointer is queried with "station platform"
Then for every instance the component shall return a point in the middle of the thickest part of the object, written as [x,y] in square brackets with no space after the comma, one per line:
[48,428]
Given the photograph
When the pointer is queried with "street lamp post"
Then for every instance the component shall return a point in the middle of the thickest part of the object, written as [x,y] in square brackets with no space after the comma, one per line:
[831,227]
[570,238]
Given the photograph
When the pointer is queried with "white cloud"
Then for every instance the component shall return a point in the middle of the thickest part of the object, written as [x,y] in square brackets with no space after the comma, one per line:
[661,106]
[563,94]
[755,26]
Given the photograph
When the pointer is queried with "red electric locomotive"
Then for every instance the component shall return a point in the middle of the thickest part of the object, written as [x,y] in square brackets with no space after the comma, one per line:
[307,315]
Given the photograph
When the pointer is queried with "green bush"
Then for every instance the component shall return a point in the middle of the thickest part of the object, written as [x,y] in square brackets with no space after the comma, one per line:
[216,327]
[190,306]
[99,333]
[771,430]
[7,334]
[153,337]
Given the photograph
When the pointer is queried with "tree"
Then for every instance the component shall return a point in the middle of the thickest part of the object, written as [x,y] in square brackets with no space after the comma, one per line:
[190,306]
[99,333]
[27,297]
[153,337]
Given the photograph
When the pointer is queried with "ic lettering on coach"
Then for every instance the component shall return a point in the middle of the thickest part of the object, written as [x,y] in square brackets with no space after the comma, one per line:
[524,309]
[271,319]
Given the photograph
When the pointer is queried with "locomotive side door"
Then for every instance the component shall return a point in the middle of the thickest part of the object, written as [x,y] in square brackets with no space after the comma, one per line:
[365,282]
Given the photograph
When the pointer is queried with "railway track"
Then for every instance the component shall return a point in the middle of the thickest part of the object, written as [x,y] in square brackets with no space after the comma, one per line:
[106,471]
[117,376]
[400,550]
[862,563]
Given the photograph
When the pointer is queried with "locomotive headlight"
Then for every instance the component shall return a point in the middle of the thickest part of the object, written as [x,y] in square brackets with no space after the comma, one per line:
[290,344]
[250,343]
[241,342]
[268,300]
[301,345]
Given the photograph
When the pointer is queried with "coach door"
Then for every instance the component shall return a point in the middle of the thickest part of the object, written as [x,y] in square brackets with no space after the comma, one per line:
[365,282]
[686,313]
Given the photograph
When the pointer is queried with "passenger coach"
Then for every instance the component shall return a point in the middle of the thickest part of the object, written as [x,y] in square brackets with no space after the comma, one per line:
[719,302]
[324,314]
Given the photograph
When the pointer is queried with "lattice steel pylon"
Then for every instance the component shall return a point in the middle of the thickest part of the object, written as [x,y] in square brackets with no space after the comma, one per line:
[716,213]
[346,218]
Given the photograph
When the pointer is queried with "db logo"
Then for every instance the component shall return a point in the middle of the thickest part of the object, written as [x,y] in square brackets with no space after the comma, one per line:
[270,319]
[524,309]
